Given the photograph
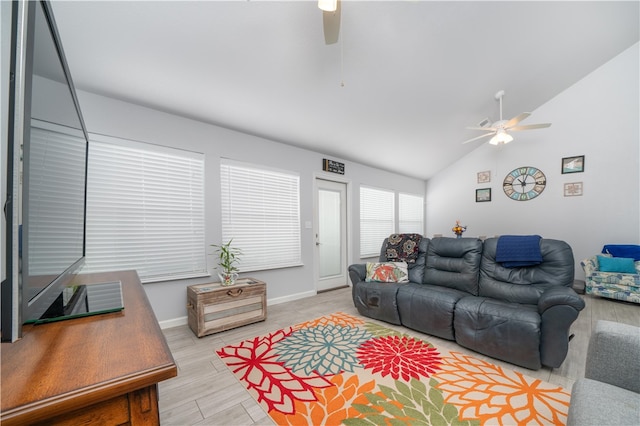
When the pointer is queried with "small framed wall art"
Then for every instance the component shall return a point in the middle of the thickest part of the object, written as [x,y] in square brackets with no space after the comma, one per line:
[483,194]
[573,189]
[573,164]
[484,177]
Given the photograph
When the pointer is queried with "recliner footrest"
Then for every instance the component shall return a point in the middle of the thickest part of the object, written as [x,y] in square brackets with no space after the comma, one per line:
[378,300]
[428,309]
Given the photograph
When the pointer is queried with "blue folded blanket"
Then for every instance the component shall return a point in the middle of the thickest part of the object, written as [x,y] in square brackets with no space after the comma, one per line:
[623,250]
[518,250]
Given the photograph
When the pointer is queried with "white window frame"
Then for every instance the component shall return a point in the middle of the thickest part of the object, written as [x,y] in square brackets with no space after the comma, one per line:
[145,210]
[261,214]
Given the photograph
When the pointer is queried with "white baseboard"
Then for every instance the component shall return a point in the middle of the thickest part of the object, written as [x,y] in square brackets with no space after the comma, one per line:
[176,322]
[291,297]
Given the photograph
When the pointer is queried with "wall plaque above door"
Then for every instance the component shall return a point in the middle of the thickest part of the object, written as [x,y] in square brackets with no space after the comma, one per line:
[332,166]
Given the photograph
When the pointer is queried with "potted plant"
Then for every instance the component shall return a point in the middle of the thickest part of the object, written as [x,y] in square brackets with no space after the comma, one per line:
[227,257]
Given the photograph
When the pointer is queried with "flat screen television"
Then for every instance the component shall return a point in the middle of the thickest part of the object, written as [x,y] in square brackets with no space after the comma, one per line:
[45,209]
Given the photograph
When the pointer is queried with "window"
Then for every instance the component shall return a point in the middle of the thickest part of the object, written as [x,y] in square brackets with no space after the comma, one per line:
[145,210]
[410,214]
[376,219]
[261,213]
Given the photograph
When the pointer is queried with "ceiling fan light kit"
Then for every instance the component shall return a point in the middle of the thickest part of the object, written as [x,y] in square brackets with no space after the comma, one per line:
[498,130]
[501,137]
[328,5]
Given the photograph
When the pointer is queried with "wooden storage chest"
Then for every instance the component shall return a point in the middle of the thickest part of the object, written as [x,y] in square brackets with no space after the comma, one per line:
[213,308]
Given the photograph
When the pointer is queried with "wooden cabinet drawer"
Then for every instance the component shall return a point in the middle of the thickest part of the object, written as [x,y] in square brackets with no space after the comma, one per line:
[139,407]
[213,308]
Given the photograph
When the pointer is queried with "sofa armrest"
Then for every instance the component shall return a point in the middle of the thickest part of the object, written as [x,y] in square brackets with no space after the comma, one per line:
[558,307]
[589,265]
[357,272]
[613,353]
[560,296]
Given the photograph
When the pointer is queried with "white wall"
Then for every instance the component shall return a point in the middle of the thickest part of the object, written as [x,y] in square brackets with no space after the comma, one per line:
[115,118]
[598,117]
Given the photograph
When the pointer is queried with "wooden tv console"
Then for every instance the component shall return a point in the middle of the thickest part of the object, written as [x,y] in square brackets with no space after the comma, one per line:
[101,369]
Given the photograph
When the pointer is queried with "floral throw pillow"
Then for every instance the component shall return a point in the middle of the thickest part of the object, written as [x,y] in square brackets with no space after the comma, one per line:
[387,272]
[403,247]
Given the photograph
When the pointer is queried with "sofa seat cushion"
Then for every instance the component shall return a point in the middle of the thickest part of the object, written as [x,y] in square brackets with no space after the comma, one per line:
[378,300]
[615,280]
[614,286]
[598,403]
[428,309]
[499,329]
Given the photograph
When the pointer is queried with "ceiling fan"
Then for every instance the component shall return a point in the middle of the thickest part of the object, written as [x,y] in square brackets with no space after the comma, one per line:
[499,129]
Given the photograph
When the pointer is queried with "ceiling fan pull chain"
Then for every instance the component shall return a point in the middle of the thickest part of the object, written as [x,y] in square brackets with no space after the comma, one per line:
[341,54]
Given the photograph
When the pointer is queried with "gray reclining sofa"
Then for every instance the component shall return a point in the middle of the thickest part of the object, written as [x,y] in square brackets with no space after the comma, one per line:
[457,291]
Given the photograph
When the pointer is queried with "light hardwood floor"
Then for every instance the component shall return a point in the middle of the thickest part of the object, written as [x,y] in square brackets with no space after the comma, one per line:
[206,393]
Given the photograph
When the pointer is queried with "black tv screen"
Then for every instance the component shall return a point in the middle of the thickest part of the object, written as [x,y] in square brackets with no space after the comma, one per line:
[47,167]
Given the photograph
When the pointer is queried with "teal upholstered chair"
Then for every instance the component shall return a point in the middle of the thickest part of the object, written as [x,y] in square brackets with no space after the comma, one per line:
[613,277]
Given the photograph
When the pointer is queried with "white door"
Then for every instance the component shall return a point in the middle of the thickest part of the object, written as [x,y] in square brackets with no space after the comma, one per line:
[331,234]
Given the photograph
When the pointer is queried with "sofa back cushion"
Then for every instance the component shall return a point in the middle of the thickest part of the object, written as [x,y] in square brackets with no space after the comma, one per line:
[526,284]
[454,263]
[416,269]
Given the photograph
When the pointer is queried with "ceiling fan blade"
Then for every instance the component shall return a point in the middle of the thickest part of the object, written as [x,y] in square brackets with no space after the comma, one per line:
[530,126]
[515,120]
[331,25]
[479,137]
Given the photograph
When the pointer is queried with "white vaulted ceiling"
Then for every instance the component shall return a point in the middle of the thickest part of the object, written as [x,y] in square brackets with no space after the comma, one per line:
[415,73]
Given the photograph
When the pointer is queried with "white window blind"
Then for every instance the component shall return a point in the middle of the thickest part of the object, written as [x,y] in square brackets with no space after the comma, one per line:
[376,219]
[145,210]
[410,214]
[261,213]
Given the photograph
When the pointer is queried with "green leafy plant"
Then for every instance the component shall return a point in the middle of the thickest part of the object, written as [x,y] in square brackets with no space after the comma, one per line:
[228,256]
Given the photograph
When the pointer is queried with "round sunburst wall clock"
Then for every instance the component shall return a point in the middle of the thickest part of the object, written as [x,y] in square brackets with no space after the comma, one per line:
[524,183]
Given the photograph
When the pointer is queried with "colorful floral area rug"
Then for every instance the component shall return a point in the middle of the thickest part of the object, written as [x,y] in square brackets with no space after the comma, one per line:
[340,369]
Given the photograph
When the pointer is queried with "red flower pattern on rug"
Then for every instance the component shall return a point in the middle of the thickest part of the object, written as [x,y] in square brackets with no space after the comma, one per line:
[399,357]
[255,363]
